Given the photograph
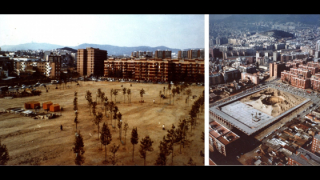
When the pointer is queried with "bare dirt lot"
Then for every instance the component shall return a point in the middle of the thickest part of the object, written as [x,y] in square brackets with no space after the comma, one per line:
[38,140]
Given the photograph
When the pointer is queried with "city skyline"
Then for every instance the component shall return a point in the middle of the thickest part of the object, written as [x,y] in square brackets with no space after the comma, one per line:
[174,31]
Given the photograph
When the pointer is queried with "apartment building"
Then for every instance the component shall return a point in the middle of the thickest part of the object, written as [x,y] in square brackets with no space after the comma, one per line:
[222,139]
[90,61]
[155,69]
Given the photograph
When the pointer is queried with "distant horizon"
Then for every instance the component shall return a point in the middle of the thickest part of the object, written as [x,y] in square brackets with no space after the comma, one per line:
[174,31]
[74,47]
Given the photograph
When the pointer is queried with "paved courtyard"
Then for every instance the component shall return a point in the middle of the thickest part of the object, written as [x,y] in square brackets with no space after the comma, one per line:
[246,114]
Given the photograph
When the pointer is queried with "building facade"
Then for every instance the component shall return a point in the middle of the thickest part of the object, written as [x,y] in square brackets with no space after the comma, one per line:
[90,61]
[155,69]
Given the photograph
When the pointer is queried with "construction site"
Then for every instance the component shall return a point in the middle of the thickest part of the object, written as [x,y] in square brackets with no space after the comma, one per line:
[256,109]
[272,102]
[39,139]
[253,115]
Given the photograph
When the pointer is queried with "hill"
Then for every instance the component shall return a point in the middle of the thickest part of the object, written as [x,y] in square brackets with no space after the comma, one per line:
[31,46]
[277,34]
[117,50]
[112,50]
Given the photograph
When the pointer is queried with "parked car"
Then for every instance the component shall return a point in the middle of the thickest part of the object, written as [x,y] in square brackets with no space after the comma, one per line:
[10,87]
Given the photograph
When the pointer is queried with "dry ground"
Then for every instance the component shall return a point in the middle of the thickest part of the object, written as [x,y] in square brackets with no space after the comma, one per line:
[28,139]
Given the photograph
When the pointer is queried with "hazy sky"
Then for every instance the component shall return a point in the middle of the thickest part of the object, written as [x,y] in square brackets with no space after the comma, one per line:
[173,31]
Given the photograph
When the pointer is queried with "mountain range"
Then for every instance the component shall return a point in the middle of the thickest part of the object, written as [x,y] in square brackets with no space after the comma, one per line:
[280,18]
[112,50]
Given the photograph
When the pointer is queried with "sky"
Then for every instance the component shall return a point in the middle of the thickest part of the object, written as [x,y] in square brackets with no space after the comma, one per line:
[173,31]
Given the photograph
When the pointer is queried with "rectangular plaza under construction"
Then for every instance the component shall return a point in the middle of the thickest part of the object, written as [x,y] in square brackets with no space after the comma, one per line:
[254,110]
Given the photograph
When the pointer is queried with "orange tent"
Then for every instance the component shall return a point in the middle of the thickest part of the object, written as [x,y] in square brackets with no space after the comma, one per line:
[31,104]
[46,105]
[55,108]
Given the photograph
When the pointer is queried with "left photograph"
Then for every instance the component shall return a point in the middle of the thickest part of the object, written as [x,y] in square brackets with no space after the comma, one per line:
[107,90]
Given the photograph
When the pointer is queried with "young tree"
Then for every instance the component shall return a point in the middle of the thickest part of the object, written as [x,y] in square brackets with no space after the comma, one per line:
[164,152]
[89,99]
[181,132]
[78,149]
[171,138]
[4,155]
[178,90]
[183,125]
[188,92]
[134,140]
[111,106]
[142,92]
[106,138]
[115,93]
[173,94]
[98,94]
[106,104]
[76,119]
[102,95]
[193,116]
[145,145]
[119,116]
[94,107]
[97,120]
[115,111]
[113,150]
[124,91]
[111,93]
[164,90]
[169,86]
[160,93]
[129,94]
[75,101]
[125,128]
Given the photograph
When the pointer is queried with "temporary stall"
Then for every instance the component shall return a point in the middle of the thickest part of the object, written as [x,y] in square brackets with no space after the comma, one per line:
[31,105]
[27,105]
[55,108]
[46,105]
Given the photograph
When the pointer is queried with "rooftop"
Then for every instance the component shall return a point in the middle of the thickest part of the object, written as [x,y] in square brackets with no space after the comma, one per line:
[241,115]
[221,133]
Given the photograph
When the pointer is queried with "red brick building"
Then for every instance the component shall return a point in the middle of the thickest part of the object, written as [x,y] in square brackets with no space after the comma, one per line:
[276,68]
[296,79]
[221,138]
[301,74]
[155,69]
[316,143]
[90,61]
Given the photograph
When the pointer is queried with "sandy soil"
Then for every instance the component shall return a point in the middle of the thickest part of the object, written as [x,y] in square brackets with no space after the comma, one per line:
[273,101]
[28,139]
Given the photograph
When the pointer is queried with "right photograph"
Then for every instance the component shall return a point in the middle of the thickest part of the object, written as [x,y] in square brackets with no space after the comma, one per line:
[264,89]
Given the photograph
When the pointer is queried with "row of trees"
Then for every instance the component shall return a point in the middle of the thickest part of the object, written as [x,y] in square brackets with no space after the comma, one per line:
[125,91]
[174,135]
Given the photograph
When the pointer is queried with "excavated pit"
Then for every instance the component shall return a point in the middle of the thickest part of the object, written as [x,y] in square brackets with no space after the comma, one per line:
[272,101]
